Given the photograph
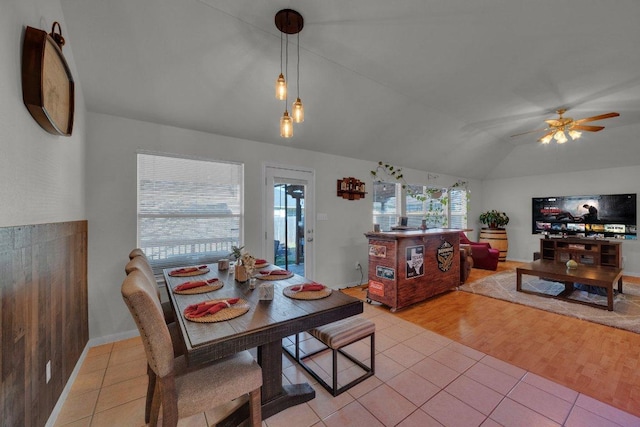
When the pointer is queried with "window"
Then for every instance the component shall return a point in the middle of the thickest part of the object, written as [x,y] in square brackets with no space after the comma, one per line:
[190,211]
[433,209]
[442,207]
[385,209]
[458,199]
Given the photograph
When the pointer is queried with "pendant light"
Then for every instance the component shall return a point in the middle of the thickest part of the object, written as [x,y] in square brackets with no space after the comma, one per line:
[281,83]
[289,21]
[286,125]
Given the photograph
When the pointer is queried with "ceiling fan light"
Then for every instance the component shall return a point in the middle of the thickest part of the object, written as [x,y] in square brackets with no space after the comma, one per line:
[281,88]
[297,111]
[286,125]
[574,134]
[560,137]
[546,139]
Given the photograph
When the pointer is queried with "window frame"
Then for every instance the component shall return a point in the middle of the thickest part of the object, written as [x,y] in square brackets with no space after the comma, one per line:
[192,251]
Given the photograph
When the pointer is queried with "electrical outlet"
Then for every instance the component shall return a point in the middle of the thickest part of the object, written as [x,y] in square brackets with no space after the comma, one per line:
[358,266]
[48,369]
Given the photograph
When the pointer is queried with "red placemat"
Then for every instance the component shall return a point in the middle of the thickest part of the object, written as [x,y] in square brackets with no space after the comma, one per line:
[189,271]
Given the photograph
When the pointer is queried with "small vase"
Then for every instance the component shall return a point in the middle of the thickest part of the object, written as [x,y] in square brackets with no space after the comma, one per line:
[241,273]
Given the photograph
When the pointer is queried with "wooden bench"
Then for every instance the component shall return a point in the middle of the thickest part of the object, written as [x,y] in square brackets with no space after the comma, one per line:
[336,336]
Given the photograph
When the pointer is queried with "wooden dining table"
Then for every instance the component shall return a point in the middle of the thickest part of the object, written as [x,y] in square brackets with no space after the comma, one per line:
[263,327]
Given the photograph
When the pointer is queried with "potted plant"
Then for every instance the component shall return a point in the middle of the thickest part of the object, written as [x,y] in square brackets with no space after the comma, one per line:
[245,263]
[495,234]
[494,219]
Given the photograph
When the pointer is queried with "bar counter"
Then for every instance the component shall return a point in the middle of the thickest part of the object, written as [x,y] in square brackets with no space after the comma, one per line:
[409,266]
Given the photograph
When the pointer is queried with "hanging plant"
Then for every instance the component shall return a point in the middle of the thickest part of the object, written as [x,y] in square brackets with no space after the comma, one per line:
[396,173]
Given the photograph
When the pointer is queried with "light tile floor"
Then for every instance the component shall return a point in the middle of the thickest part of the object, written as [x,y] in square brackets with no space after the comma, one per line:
[422,379]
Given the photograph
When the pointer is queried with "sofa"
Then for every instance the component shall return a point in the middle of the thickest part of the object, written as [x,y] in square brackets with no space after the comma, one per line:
[484,256]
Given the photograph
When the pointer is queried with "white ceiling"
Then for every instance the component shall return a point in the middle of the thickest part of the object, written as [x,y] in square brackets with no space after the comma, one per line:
[435,85]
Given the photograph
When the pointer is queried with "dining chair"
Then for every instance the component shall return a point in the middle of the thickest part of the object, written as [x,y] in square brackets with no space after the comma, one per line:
[183,390]
[137,252]
[141,263]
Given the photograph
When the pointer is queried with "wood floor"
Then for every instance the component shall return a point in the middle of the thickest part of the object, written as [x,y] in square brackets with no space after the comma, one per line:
[599,361]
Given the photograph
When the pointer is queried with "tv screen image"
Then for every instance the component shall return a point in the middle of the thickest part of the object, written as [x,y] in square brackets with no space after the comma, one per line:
[597,216]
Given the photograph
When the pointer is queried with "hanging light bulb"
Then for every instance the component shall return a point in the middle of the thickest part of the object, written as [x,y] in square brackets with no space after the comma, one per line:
[297,110]
[286,125]
[281,88]
[281,83]
[574,134]
[560,137]
[546,139]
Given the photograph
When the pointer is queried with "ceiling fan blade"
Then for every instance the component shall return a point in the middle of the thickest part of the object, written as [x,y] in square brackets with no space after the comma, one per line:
[587,128]
[600,117]
[531,131]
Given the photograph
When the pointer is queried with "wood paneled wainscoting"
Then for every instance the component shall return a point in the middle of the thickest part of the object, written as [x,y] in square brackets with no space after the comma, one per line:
[43,316]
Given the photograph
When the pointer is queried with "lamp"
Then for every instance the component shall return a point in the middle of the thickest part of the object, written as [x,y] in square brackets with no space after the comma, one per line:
[286,125]
[560,137]
[546,139]
[289,21]
[574,134]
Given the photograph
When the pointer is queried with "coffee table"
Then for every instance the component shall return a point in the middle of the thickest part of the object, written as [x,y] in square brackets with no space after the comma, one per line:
[594,275]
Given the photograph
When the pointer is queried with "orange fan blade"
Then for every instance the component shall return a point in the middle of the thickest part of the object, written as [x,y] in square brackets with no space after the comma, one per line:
[587,128]
[594,118]
[531,131]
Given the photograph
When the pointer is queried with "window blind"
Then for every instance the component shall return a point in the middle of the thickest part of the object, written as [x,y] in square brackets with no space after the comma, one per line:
[190,211]
[458,208]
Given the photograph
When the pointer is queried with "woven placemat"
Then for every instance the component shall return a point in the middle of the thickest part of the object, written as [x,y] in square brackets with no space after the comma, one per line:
[197,272]
[289,292]
[237,309]
[274,276]
[200,289]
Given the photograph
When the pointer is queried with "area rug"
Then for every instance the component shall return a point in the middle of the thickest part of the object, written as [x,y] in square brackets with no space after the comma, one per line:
[626,306]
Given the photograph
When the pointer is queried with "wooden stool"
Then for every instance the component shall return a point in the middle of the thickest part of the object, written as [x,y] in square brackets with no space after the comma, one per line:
[335,336]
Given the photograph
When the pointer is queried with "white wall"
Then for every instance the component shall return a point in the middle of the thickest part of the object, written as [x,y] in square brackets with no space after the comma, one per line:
[514,195]
[41,175]
[111,204]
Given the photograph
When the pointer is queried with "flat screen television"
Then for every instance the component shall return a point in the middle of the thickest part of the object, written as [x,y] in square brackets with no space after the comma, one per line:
[604,216]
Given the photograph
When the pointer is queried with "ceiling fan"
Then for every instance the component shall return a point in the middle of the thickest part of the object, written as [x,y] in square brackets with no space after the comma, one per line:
[557,127]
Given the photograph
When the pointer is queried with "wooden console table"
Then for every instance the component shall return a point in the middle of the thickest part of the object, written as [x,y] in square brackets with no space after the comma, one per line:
[603,277]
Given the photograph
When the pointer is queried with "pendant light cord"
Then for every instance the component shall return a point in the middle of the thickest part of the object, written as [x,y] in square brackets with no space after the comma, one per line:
[298,67]
[286,73]
[280,52]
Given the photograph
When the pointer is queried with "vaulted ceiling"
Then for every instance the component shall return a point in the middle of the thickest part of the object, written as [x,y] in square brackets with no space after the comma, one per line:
[435,85]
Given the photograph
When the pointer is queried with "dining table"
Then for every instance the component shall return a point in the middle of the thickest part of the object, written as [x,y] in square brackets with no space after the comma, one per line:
[263,326]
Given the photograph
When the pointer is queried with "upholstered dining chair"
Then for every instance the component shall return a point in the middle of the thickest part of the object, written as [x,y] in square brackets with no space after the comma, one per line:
[142,263]
[182,390]
[137,252]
